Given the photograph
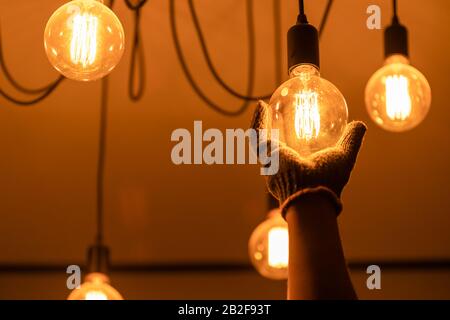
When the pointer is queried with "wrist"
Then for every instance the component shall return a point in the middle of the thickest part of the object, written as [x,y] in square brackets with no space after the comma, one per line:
[315,195]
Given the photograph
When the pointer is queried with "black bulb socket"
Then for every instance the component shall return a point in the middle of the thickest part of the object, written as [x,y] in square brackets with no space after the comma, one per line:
[396,39]
[303,45]
[98,259]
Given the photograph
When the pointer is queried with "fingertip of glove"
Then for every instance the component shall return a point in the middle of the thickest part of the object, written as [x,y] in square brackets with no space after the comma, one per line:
[357,126]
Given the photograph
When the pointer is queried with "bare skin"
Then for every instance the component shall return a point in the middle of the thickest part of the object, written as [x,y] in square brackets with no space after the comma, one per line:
[317,267]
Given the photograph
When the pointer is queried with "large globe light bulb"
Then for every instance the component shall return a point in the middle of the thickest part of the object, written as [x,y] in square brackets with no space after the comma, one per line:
[84,40]
[269,247]
[398,96]
[309,111]
[95,287]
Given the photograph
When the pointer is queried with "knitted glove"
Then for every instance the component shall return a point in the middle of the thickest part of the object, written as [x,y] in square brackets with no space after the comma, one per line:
[326,172]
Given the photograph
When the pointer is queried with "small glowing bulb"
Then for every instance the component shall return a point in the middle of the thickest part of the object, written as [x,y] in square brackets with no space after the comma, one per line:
[269,247]
[278,247]
[398,96]
[84,40]
[309,111]
[95,287]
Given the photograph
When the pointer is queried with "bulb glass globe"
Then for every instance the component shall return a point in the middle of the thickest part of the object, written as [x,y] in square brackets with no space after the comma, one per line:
[84,40]
[398,96]
[309,111]
[95,287]
[269,247]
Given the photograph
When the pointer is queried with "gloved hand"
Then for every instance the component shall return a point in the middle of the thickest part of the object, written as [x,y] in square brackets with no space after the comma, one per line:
[326,171]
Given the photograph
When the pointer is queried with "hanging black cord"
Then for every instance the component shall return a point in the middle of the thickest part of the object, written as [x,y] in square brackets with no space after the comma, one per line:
[301,12]
[209,62]
[137,52]
[101,159]
[394,8]
[136,87]
[15,83]
[278,63]
[325,15]
[35,100]
[188,74]
[44,91]
[139,4]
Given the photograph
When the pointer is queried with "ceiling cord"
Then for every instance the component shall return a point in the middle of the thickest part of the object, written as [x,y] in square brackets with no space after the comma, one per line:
[278,63]
[35,100]
[189,76]
[136,87]
[137,6]
[209,62]
[394,8]
[301,12]
[101,159]
[45,91]
[324,19]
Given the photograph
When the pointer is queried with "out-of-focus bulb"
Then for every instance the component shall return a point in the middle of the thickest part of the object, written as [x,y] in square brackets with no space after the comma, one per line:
[269,247]
[309,111]
[95,287]
[84,40]
[398,96]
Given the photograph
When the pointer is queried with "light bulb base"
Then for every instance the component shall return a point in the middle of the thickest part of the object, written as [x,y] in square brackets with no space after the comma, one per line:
[98,259]
[396,40]
[303,45]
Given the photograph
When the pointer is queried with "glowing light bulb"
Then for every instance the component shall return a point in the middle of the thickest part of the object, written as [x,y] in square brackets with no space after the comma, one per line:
[95,287]
[309,111]
[84,40]
[398,96]
[269,247]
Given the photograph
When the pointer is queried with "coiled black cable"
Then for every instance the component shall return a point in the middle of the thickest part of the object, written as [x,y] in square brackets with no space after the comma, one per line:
[209,62]
[190,78]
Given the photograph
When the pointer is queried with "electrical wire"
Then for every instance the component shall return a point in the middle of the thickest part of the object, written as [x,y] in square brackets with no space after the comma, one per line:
[14,82]
[209,62]
[45,91]
[301,12]
[324,19]
[136,87]
[139,4]
[35,100]
[278,63]
[101,158]
[394,9]
[137,52]
[189,76]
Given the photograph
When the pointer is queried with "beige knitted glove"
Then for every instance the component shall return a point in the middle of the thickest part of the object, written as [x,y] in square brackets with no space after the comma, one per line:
[326,171]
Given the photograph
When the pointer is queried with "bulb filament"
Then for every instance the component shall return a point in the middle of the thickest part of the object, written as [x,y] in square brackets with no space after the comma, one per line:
[398,101]
[307,117]
[83,48]
[278,248]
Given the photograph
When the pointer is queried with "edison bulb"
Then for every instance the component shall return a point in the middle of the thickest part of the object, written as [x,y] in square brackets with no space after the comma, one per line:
[84,40]
[398,96]
[95,287]
[269,247]
[309,111]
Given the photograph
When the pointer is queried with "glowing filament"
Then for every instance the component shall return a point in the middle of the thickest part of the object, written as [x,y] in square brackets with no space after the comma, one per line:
[95,295]
[278,247]
[307,117]
[83,48]
[398,101]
